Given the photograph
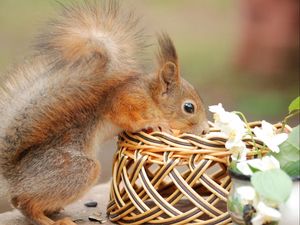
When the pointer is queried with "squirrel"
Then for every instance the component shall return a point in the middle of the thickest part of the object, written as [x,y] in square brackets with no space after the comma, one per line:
[83,85]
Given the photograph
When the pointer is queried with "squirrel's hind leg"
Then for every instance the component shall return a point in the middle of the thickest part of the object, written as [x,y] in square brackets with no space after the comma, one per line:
[31,210]
[35,215]
[47,180]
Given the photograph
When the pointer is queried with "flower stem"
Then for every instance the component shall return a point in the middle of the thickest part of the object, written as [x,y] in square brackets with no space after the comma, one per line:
[284,122]
[249,132]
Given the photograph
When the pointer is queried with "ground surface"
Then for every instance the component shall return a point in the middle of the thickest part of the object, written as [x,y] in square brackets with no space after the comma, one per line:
[77,211]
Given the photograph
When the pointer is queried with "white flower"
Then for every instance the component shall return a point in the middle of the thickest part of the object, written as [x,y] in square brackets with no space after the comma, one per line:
[232,126]
[246,193]
[265,163]
[217,109]
[238,150]
[265,214]
[227,121]
[267,134]
[244,168]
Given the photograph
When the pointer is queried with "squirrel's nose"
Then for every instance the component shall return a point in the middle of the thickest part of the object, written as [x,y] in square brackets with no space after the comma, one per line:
[201,128]
[205,128]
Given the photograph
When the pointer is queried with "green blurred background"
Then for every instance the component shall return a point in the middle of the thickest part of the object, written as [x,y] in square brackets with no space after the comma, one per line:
[206,34]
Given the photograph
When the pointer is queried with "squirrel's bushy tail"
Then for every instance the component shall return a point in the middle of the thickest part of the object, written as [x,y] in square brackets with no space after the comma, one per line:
[94,37]
[94,33]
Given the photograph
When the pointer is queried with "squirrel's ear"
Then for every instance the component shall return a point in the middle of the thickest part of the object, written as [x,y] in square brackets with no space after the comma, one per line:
[169,76]
[168,61]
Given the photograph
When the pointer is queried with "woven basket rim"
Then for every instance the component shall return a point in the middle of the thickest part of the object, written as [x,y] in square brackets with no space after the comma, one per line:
[212,130]
[185,144]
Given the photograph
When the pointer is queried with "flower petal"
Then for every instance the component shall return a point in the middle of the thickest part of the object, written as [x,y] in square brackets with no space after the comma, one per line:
[243,155]
[259,133]
[280,138]
[246,192]
[270,162]
[267,127]
[216,108]
[257,220]
[238,150]
[244,168]
[269,213]
[272,146]
[257,164]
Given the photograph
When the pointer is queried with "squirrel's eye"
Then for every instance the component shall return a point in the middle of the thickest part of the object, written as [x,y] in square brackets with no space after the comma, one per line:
[189,107]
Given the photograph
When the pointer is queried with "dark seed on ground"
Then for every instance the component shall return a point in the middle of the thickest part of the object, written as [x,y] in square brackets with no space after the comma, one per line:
[78,220]
[95,218]
[91,204]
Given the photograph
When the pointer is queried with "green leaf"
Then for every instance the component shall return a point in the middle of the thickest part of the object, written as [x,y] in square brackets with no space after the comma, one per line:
[253,169]
[292,168]
[273,185]
[290,149]
[295,105]
[233,167]
[294,137]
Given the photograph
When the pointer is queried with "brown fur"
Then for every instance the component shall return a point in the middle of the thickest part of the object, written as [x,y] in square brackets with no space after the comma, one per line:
[83,85]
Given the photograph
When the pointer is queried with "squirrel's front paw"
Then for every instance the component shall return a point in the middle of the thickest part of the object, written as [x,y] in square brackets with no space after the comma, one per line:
[65,221]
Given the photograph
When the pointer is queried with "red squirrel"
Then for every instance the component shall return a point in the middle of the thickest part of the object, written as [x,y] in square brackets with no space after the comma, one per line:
[82,85]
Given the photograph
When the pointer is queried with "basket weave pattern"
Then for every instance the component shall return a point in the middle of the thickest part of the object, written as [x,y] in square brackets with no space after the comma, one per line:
[162,179]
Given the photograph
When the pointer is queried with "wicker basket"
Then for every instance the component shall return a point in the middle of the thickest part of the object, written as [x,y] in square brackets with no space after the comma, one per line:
[162,179]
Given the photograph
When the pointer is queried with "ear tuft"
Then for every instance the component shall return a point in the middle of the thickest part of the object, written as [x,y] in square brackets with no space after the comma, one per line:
[167,51]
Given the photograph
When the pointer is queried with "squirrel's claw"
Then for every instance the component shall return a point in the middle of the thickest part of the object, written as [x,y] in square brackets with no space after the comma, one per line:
[163,129]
